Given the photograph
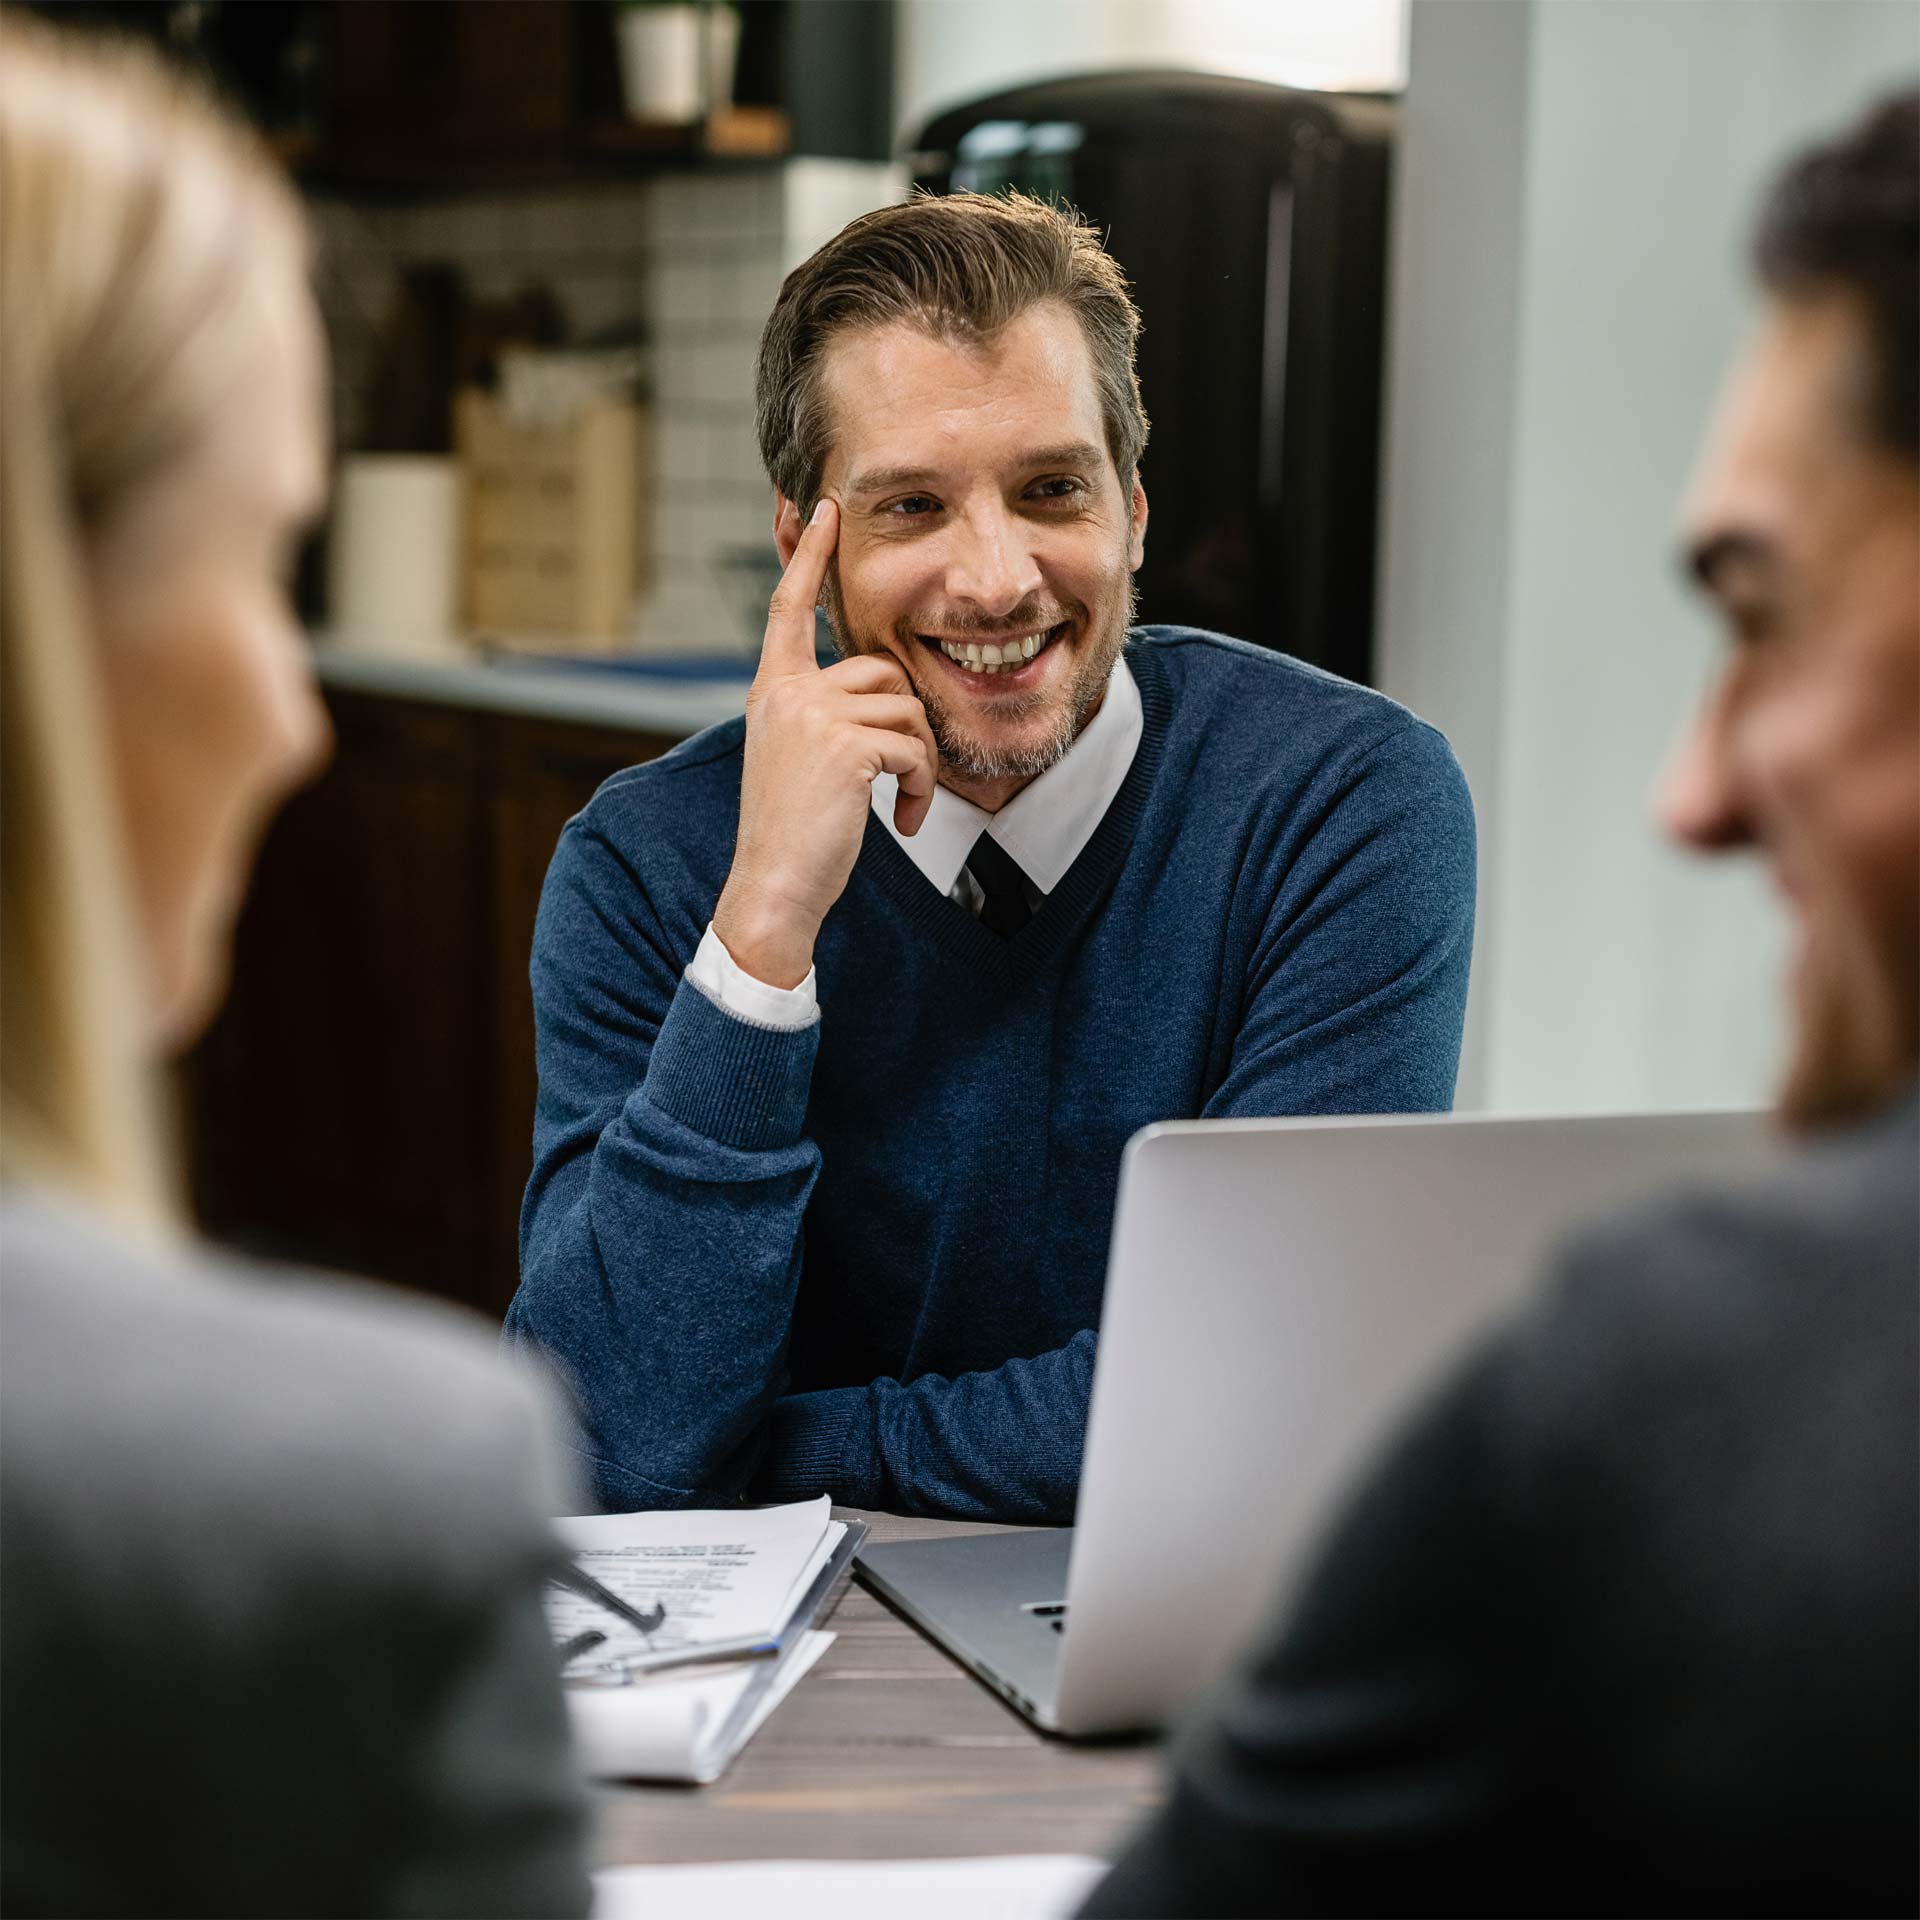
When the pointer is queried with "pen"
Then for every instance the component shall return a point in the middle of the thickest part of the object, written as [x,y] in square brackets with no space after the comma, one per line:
[699,1654]
[578,1580]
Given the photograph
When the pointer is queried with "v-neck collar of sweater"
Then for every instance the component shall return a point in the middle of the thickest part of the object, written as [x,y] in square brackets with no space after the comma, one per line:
[949,929]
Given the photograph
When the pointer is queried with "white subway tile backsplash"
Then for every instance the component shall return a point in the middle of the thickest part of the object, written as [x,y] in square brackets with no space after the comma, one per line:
[676,216]
[716,528]
[343,232]
[769,201]
[717,372]
[619,221]
[519,216]
[571,224]
[752,285]
[681,448]
[729,210]
[676,526]
[521,228]
[684,292]
[675,365]
[744,515]
[600,303]
[732,452]
[475,229]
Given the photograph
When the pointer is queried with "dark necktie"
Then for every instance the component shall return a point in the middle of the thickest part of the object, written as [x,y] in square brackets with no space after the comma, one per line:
[1003,887]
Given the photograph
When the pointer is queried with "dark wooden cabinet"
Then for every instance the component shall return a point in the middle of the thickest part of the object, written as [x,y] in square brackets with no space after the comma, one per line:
[365,1100]
[454,92]
[431,95]
[404,97]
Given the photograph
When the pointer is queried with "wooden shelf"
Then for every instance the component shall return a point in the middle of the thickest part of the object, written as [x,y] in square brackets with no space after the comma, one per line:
[603,146]
[757,133]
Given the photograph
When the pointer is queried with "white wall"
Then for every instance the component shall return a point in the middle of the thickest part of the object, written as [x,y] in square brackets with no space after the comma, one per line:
[950,51]
[1576,179]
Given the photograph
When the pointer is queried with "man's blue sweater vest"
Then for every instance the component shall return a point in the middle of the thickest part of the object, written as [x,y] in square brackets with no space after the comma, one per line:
[866,1258]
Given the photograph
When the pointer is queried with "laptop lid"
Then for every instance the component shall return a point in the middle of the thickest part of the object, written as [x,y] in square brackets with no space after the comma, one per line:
[1278,1292]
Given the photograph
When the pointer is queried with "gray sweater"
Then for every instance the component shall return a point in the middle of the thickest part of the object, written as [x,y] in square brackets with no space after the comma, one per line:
[270,1633]
[1626,1621]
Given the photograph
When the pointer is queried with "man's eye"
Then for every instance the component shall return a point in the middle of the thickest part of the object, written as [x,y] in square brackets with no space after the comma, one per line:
[914,505]
[1061,487]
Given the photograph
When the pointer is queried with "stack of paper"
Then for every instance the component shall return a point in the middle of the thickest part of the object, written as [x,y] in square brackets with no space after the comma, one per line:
[1022,1887]
[719,1576]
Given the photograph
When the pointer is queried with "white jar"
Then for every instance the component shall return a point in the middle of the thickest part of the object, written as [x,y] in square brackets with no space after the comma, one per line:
[662,63]
[393,559]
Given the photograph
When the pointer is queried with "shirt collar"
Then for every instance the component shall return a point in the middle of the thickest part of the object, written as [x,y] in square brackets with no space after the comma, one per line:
[1046,824]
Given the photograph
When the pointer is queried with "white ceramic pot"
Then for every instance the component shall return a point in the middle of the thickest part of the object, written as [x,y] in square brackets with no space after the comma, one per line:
[661,63]
[723,54]
[393,558]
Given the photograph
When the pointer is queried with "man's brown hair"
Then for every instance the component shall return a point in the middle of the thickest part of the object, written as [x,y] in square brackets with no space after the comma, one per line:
[960,266]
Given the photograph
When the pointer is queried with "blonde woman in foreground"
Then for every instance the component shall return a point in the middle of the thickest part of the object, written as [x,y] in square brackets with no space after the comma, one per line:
[270,1638]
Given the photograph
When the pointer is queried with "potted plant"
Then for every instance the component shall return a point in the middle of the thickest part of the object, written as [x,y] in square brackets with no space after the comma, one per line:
[677,58]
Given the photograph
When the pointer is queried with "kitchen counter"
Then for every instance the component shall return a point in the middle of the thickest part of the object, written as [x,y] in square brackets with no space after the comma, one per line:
[667,704]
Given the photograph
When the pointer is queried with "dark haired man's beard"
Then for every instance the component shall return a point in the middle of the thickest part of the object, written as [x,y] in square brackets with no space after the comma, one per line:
[973,759]
[963,753]
[1856,1040]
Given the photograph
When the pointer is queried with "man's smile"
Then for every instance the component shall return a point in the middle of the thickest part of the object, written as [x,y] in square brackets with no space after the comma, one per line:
[1015,659]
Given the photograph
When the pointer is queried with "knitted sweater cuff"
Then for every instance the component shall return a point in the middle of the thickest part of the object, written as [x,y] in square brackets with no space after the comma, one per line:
[742,1085]
[819,1443]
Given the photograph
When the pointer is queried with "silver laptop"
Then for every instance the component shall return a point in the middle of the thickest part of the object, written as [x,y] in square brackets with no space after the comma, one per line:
[1278,1292]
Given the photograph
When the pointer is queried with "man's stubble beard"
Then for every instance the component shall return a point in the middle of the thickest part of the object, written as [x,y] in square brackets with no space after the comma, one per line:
[965,756]
[1856,1038]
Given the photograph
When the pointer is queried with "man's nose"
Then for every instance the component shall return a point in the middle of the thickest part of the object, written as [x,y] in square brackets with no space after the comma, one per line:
[1699,800]
[990,565]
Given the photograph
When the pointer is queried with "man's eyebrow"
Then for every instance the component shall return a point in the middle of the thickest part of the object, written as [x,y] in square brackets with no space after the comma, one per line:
[1708,561]
[1076,453]
[879,479]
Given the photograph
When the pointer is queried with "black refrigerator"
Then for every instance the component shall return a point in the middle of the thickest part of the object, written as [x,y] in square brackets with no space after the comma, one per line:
[1251,221]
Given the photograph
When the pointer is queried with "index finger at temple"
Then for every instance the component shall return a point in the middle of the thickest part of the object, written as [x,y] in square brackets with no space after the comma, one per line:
[788,647]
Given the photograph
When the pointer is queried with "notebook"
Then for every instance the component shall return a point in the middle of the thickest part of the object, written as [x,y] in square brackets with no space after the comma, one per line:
[715,1576]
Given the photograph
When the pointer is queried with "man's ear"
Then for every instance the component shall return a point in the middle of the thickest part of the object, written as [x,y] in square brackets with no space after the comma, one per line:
[1137,545]
[787,526]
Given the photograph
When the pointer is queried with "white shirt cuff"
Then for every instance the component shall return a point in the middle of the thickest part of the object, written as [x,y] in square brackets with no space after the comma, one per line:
[720,977]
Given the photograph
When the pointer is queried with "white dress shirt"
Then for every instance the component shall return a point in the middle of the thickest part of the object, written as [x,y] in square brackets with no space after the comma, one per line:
[1042,829]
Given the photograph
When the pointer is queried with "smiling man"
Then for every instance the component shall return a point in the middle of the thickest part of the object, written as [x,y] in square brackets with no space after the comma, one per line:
[845,1013]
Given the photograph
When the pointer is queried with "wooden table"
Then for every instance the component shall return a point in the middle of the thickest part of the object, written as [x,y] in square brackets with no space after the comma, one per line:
[889,1750]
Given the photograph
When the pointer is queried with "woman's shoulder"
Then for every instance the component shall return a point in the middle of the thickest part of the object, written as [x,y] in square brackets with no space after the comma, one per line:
[152,1389]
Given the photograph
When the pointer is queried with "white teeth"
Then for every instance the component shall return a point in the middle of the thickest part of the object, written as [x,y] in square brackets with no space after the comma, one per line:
[991,658]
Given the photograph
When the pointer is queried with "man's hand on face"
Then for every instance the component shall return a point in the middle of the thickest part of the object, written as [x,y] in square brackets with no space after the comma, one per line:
[816,741]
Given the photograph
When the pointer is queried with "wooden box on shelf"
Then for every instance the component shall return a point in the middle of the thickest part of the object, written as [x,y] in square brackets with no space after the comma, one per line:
[553,555]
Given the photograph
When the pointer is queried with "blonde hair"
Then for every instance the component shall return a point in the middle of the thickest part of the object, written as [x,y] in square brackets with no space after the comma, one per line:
[137,222]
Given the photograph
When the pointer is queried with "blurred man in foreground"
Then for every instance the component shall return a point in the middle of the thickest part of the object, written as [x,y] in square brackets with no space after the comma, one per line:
[1626,1622]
